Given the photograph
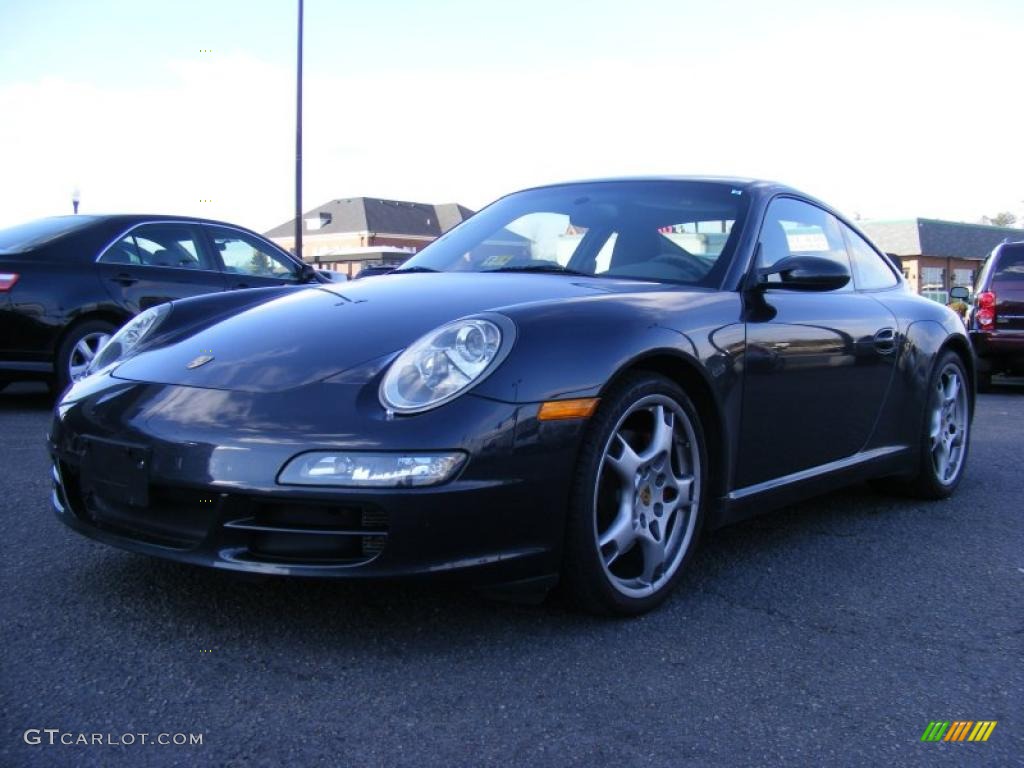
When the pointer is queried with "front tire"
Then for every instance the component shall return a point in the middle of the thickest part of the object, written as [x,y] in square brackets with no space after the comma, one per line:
[638,498]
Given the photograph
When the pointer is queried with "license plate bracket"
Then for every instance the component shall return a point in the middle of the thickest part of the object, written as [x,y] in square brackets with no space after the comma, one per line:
[116,471]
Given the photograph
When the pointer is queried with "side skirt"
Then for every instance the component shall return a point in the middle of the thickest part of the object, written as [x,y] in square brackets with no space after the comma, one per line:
[757,499]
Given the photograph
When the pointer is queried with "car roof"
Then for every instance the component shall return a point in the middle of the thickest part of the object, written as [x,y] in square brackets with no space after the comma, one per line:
[732,181]
[137,218]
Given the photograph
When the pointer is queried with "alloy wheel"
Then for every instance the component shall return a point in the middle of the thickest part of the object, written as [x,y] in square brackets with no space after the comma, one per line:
[83,352]
[647,495]
[949,424]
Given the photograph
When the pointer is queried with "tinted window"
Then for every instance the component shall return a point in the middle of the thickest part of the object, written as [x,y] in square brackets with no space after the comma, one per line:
[678,232]
[795,228]
[36,233]
[175,246]
[870,272]
[245,255]
[1011,264]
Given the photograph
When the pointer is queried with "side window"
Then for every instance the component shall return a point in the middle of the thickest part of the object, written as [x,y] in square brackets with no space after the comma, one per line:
[869,271]
[795,228]
[175,246]
[244,255]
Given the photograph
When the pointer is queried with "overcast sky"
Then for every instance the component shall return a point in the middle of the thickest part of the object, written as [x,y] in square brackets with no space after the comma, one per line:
[884,109]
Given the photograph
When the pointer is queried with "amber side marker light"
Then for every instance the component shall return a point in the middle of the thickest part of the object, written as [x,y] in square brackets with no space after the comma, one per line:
[554,410]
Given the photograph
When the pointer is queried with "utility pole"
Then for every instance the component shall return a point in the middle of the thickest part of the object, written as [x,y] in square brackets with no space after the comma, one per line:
[298,144]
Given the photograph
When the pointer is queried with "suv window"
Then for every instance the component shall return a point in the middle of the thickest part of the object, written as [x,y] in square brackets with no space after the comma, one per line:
[795,228]
[870,272]
[1010,265]
[245,255]
[174,246]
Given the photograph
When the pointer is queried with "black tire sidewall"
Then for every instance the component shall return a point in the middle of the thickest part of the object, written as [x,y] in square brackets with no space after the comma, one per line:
[61,372]
[585,580]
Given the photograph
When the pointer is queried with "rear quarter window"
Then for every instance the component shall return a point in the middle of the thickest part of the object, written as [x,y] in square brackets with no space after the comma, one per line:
[1009,265]
[34,234]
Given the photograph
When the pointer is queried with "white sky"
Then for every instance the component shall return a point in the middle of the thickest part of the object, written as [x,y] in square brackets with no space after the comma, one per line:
[887,110]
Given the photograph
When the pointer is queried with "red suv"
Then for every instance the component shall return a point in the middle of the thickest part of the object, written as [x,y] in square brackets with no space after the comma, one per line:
[995,321]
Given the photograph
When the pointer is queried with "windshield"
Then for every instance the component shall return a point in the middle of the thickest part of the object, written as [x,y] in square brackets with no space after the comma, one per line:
[664,231]
[39,232]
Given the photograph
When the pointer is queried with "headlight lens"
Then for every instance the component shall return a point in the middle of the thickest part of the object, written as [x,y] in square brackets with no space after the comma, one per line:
[443,364]
[126,341]
[370,470]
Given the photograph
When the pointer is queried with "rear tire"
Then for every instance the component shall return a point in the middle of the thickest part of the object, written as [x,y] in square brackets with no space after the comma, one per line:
[638,498]
[946,432]
[77,349]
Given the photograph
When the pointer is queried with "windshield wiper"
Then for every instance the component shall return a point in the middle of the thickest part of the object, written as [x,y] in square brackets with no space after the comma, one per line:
[410,270]
[552,268]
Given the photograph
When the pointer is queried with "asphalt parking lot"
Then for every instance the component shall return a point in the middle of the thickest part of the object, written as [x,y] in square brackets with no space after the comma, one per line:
[829,633]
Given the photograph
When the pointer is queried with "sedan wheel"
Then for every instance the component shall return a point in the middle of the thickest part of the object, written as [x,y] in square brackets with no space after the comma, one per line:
[638,503]
[83,352]
[78,349]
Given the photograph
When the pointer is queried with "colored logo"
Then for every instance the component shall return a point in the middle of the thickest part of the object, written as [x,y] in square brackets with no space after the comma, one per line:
[958,730]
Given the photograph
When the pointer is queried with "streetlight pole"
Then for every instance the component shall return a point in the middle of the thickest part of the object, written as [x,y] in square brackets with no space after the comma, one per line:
[76,198]
[298,144]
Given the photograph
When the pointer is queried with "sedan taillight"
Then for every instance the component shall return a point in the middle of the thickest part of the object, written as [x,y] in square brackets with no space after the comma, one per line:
[986,310]
[7,280]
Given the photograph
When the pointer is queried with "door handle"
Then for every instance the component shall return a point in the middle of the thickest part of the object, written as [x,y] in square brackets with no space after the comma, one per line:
[239,286]
[125,279]
[885,341]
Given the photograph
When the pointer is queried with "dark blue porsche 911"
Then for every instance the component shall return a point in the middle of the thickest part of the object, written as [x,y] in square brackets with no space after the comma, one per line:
[568,388]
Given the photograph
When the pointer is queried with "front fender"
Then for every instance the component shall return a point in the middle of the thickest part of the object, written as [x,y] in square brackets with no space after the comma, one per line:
[574,348]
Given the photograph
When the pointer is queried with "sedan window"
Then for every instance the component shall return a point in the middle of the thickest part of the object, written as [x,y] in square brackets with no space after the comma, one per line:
[244,255]
[173,246]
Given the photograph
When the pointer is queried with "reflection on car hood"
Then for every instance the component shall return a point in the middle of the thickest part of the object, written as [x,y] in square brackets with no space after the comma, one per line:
[308,335]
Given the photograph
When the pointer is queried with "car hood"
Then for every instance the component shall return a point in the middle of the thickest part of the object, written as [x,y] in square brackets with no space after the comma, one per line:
[309,335]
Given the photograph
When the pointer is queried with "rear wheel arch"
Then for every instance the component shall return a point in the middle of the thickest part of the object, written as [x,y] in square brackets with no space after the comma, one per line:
[117,319]
[962,348]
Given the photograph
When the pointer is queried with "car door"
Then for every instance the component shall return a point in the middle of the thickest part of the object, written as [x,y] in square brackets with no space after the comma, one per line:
[818,364]
[157,262]
[248,261]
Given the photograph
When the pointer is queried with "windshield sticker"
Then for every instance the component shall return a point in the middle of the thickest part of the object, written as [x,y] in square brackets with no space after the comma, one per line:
[497,260]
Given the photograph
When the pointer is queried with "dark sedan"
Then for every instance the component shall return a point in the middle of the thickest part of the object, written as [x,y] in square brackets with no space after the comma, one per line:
[68,282]
[570,386]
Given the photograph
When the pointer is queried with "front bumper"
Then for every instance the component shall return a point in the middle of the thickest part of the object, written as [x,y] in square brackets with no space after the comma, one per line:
[208,492]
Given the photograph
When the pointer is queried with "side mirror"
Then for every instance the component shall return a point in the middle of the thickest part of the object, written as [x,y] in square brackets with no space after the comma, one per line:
[805,273]
[334,277]
[959,292]
[306,273]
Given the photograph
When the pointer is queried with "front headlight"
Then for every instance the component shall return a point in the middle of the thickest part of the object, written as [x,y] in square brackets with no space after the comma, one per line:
[371,470]
[445,363]
[126,341]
